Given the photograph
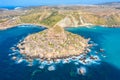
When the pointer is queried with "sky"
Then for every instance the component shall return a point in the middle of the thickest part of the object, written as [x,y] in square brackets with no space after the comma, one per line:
[50,2]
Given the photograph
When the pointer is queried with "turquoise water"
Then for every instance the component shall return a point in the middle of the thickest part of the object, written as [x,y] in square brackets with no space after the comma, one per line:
[112,45]
[106,38]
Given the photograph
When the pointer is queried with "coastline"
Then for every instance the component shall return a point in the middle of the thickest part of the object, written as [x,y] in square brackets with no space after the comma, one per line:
[22,24]
[41,25]
[64,16]
[82,58]
[84,52]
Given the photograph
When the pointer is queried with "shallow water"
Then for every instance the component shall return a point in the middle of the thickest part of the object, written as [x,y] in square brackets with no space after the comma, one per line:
[108,69]
[106,38]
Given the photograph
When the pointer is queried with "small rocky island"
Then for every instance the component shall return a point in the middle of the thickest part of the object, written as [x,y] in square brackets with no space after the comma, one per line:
[53,43]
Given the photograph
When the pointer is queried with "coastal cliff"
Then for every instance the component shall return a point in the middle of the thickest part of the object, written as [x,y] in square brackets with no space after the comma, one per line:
[53,43]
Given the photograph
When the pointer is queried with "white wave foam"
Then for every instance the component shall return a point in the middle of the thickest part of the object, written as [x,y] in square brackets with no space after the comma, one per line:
[44,63]
[76,63]
[14,58]
[76,60]
[64,61]
[41,66]
[50,62]
[57,61]
[89,61]
[12,54]
[30,64]
[19,60]
[51,68]
[18,8]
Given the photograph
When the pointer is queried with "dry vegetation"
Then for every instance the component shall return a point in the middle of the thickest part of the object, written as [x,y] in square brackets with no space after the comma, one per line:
[53,43]
[49,16]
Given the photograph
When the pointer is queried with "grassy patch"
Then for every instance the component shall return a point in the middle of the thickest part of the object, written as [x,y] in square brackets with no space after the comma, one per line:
[31,18]
[52,19]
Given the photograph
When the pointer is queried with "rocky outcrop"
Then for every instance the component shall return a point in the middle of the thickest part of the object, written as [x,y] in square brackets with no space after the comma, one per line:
[53,43]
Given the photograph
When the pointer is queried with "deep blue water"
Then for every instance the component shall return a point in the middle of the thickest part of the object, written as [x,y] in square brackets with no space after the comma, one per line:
[9,7]
[106,38]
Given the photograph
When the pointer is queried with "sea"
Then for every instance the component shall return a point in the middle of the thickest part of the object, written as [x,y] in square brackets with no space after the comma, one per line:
[11,7]
[107,68]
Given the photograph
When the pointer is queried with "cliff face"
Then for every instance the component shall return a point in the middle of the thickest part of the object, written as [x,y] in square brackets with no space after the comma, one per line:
[71,21]
[64,16]
[53,43]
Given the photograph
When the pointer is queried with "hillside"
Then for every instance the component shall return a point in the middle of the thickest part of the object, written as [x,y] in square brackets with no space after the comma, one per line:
[64,16]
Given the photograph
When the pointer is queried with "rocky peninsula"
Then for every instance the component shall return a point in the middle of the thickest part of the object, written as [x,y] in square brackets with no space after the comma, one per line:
[53,43]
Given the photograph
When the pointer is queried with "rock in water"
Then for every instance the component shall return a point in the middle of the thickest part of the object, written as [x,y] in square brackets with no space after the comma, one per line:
[81,70]
[53,43]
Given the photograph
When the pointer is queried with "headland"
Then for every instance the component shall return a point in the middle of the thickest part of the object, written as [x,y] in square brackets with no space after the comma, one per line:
[53,43]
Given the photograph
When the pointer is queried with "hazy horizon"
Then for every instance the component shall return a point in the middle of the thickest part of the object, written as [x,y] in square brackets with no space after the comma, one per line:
[25,3]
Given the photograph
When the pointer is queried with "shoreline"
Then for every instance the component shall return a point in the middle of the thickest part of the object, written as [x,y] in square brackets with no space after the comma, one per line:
[22,24]
[41,25]
[83,58]
[30,58]
[49,44]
